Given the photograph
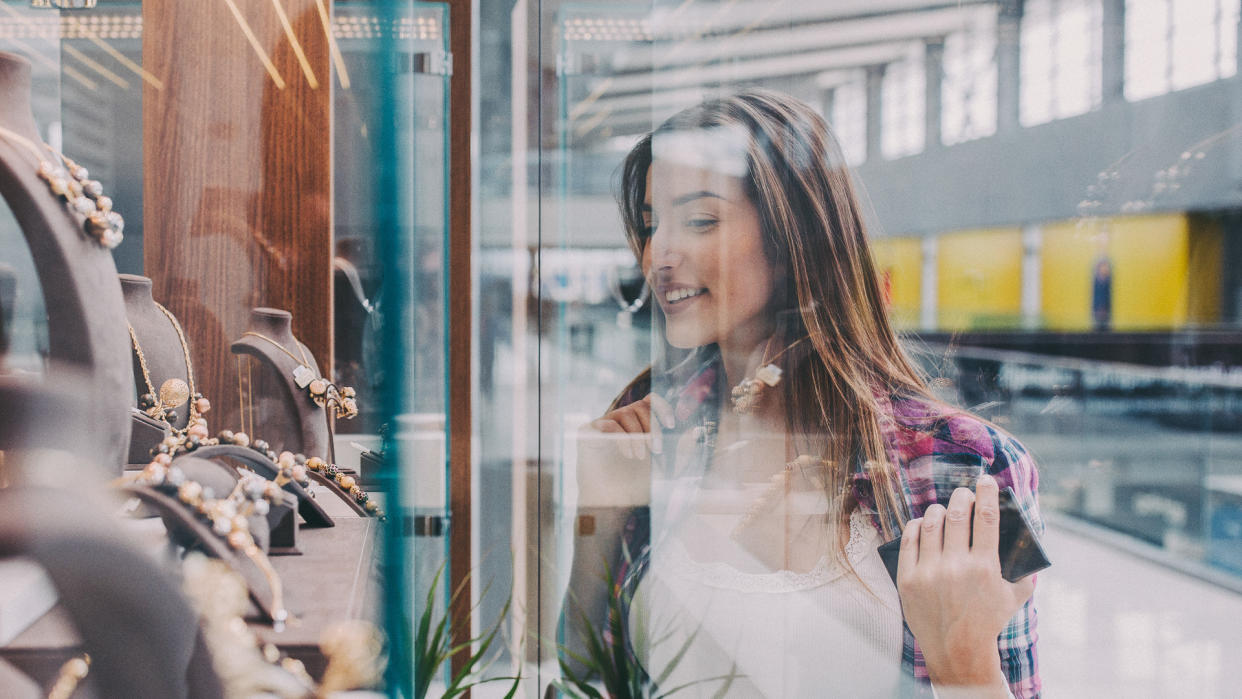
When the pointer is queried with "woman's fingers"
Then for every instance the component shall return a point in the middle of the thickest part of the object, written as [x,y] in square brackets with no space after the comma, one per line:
[931,534]
[631,443]
[957,522]
[663,411]
[633,426]
[987,517]
[908,554]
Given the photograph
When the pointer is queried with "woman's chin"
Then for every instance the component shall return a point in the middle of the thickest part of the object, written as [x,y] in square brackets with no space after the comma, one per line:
[683,338]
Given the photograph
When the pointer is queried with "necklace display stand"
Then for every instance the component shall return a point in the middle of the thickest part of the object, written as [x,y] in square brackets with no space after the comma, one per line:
[152,329]
[141,633]
[165,358]
[282,412]
[281,409]
[85,310]
[160,342]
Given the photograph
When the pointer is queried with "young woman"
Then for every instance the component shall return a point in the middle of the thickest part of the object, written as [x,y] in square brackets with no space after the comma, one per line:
[784,434]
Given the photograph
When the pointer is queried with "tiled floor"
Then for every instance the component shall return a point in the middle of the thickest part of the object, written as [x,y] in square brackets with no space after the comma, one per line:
[1114,625]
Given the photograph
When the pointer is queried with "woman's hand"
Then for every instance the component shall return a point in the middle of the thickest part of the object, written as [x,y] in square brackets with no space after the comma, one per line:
[630,428]
[952,592]
[610,468]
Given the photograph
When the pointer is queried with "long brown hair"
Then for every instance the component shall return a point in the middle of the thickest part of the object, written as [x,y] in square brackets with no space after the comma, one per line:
[826,284]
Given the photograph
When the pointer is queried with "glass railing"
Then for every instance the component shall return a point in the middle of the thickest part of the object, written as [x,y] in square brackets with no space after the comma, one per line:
[1154,453]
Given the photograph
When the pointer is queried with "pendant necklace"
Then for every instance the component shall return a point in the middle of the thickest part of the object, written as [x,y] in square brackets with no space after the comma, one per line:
[321,391]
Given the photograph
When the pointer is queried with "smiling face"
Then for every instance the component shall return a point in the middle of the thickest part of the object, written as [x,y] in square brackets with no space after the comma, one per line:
[704,258]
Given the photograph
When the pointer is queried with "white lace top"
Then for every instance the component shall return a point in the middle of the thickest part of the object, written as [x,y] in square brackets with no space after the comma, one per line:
[700,621]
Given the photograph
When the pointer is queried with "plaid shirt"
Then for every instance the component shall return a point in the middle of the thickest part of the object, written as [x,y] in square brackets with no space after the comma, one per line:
[935,450]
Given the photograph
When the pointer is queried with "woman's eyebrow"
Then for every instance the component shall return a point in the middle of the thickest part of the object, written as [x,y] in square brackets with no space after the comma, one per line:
[702,193]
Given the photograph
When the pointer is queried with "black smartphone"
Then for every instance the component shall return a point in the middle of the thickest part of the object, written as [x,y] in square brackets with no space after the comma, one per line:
[1020,551]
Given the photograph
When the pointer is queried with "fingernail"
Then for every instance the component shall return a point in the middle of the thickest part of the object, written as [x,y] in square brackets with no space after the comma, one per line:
[987,479]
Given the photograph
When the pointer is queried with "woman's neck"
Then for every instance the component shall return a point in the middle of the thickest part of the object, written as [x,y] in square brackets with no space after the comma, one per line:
[741,361]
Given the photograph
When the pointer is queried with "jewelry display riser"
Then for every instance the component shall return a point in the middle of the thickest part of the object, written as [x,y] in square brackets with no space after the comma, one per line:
[310,510]
[335,579]
[115,601]
[161,343]
[283,413]
[77,276]
[145,434]
[185,525]
[283,518]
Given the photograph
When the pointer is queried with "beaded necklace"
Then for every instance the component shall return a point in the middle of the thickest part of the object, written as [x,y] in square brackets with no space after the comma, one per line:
[84,196]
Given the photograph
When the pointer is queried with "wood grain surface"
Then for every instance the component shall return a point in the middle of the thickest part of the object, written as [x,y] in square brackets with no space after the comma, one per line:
[237,177]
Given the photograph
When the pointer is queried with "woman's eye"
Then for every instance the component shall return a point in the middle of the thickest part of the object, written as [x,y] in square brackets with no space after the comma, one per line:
[701,222]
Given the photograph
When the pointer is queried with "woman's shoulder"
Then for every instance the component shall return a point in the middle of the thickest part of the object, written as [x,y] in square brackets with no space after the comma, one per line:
[923,430]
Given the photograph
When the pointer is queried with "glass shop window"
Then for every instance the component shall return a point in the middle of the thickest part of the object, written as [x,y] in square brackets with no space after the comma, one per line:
[903,105]
[1175,45]
[968,87]
[1061,70]
[848,116]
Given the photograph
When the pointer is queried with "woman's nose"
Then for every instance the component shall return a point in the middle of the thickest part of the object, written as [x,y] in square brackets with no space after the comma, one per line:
[665,251]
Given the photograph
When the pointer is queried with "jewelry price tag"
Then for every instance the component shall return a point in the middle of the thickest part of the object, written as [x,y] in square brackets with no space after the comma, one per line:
[302,376]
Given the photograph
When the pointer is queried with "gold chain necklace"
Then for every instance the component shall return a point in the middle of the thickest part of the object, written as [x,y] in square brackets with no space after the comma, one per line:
[303,374]
[174,391]
[185,346]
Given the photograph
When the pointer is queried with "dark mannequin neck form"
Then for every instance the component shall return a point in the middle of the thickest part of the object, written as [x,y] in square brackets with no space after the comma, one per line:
[15,110]
[137,290]
[274,323]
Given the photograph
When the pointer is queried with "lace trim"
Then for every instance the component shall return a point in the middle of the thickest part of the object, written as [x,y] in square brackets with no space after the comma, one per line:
[724,576]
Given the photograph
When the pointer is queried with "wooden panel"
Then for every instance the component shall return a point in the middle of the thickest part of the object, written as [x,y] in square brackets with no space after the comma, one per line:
[461,493]
[237,177]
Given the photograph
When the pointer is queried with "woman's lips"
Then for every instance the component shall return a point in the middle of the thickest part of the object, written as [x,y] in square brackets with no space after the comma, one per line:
[683,303]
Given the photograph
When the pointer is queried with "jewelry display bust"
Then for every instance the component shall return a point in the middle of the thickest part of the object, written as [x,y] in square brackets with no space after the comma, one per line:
[85,310]
[272,398]
[161,345]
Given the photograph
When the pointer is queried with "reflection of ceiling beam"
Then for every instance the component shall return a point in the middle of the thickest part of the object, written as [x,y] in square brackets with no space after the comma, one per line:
[835,78]
[666,102]
[652,100]
[706,18]
[908,25]
[737,71]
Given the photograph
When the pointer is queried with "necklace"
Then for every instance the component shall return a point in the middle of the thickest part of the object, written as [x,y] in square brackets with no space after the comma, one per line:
[343,399]
[84,196]
[173,392]
[745,396]
[302,374]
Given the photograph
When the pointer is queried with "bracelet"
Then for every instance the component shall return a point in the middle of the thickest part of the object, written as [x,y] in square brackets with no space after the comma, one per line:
[347,483]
